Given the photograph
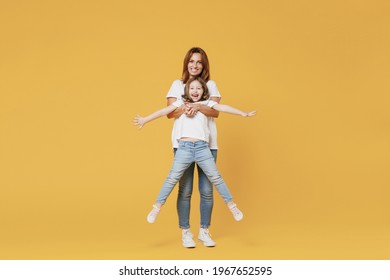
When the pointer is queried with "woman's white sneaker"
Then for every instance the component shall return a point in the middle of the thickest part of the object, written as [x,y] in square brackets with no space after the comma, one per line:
[205,237]
[187,241]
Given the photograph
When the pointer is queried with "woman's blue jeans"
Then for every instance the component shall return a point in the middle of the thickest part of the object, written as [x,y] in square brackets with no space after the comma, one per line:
[186,155]
[185,193]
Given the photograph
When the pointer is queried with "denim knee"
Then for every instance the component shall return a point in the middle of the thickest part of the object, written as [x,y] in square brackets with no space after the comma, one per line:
[216,179]
[207,194]
[184,193]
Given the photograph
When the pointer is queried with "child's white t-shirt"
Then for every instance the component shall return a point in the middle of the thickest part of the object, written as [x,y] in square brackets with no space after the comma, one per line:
[194,127]
[176,91]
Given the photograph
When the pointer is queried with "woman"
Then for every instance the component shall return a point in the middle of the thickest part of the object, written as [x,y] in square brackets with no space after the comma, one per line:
[195,64]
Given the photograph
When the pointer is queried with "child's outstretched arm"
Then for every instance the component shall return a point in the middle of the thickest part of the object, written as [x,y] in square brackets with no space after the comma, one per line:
[141,121]
[231,110]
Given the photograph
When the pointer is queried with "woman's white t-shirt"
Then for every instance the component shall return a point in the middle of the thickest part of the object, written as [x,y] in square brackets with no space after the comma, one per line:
[176,91]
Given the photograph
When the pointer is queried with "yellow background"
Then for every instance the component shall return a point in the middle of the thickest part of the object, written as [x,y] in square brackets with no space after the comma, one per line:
[310,171]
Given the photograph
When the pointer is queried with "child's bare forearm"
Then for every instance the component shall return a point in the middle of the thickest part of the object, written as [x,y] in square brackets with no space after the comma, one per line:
[141,121]
[160,113]
[231,110]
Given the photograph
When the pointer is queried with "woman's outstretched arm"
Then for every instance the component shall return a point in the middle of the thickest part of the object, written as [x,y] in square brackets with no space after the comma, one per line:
[141,121]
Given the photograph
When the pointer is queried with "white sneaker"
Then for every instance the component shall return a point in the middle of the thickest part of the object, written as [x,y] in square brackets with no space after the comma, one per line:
[237,214]
[205,237]
[187,241]
[153,214]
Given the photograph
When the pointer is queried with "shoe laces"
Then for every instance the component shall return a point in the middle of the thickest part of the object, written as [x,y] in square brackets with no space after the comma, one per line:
[234,209]
[206,234]
[155,211]
[187,234]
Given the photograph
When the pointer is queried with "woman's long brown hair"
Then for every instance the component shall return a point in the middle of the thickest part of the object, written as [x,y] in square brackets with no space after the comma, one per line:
[205,75]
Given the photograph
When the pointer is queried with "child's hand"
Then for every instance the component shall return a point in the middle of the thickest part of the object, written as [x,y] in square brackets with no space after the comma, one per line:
[139,121]
[250,114]
[190,109]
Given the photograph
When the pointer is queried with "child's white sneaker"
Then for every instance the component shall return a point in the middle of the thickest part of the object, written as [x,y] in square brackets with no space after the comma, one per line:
[237,214]
[152,216]
[205,237]
[187,241]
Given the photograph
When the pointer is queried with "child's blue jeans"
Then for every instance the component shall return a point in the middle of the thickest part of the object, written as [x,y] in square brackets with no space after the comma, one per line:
[187,153]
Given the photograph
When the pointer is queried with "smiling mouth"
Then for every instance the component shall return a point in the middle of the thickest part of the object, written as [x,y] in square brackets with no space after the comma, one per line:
[194,96]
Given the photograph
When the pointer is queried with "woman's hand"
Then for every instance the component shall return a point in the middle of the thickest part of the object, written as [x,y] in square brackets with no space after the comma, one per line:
[191,109]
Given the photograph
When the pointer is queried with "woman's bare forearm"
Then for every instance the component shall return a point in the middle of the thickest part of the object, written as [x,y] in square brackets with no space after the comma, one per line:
[208,111]
[177,112]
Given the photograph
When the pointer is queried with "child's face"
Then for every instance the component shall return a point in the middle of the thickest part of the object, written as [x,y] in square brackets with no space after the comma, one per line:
[196,91]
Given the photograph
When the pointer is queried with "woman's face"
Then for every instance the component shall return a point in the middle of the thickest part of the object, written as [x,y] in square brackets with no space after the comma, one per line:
[196,91]
[195,65]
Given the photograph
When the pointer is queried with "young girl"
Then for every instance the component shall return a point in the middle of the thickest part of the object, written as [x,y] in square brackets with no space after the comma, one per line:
[193,137]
